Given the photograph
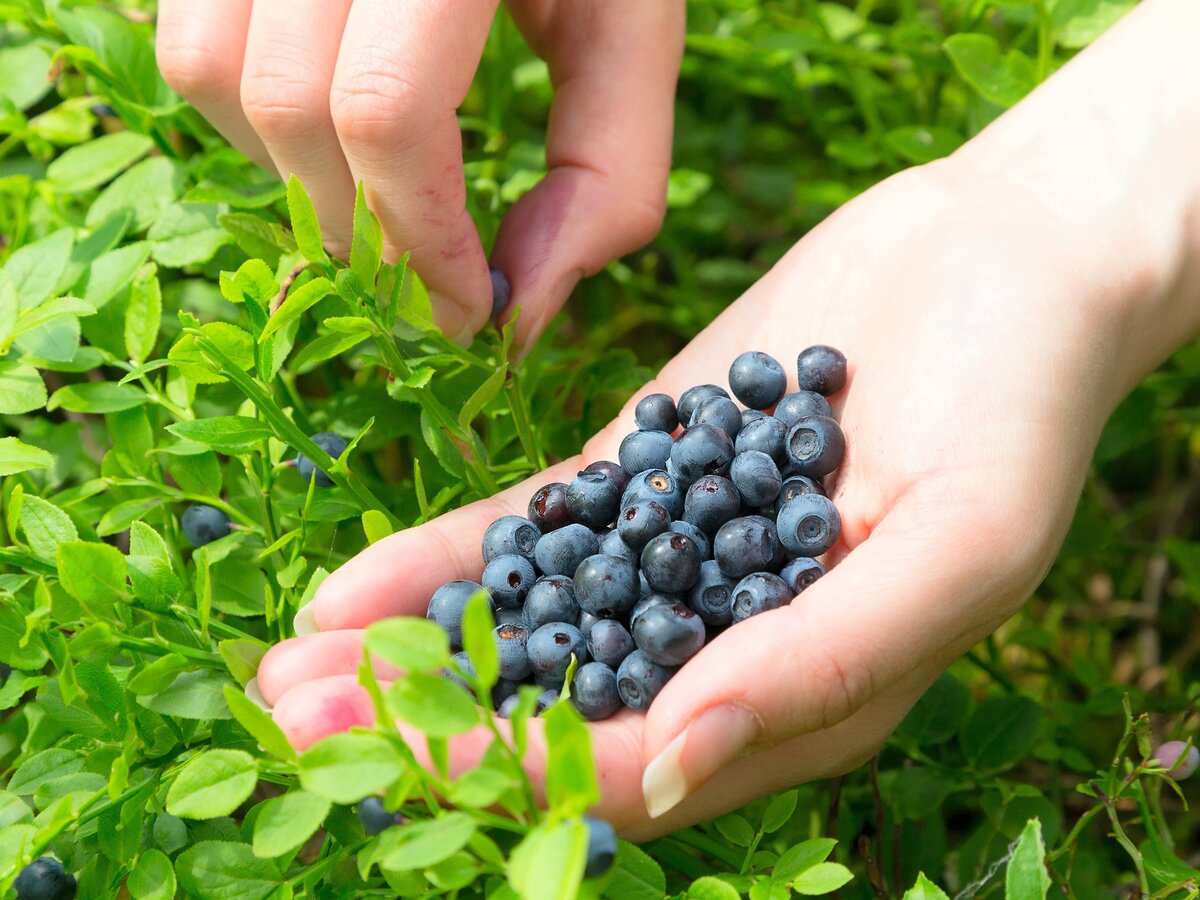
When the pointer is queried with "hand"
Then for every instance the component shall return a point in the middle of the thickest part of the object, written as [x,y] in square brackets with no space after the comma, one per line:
[981,373]
[340,92]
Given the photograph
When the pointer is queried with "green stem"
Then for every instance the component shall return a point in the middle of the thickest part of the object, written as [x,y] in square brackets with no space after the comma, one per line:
[519,405]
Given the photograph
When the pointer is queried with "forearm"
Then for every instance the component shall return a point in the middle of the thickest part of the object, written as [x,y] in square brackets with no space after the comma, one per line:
[1107,153]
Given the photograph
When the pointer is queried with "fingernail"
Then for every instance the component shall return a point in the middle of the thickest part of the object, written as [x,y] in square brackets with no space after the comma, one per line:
[713,740]
[501,292]
[254,695]
[451,319]
[305,622]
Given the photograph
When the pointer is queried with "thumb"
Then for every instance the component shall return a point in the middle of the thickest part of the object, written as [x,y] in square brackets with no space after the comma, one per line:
[902,597]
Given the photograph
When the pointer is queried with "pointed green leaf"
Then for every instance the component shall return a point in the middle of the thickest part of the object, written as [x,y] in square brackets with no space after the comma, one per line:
[1026,877]
[305,226]
[297,302]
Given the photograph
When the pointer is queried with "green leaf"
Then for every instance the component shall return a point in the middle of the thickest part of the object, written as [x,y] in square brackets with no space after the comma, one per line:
[326,347]
[225,870]
[24,72]
[234,342]
[36,268]
[143,314]
[1000,732]
[285,822]
[192,695]
[16,456]
[215,783]
[939,714]
[45,526]
[186,235]
[484,394]
[375,525]
[346,767]
[434,704]
[636,876]
[571,784]
[21,389]
[823,878]
[304,222]
[97,161]
[96,397]
[1026,877]
[152,878]
[409,643]
[144,191]
[151,574]
[924,889]
[366,245]
[52,311]
[548,864]
[478,641]
[711,888]
[735,829]
[92,573]
[779,811]
[225,434]
[801,857]
[1002,79]
[923,143]
[297,302]
[120,517]
[242,657]
[112,273]
[1079,22]
[44,767]
[424,844]
[260,724]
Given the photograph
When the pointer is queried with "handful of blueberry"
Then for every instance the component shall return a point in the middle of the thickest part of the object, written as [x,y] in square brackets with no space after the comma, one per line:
[632,567]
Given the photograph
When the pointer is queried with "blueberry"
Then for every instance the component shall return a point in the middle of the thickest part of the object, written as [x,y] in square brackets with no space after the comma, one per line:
[374,816]
[684,483]
[702,450]
[669,633]
[462,669]
[1177,757]
[671,562]
[766,434]
[720,412]
[815,446]
[333,444]
[551,599]
[655,484]
[587,622]
[510,647]
[44,879]
[614,471]
[751,415]
[508,579]
[794,486]
[702,540]
[691,398]
[757,380]
[560,552]
[711,502]
[649,601]
[821,369]
[5,671]
[609,642]
[639,680]
[545,700]
[801,572]
[550,649]
[506,709]
[747,544]
[501,292]
[795,407]
[606,586]
[594,691]
[548,507]
[593,499]
[612,545]
[503,689]
[642,450]
[204,524]
[510,534]
[756,478]
[809,525]
[711,597]
[602,847]
[656,412]
[447,605]
[512,616]
[757,593]
[638,522]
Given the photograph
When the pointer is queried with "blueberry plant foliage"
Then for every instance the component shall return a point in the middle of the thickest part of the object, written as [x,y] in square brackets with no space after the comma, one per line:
[171,331]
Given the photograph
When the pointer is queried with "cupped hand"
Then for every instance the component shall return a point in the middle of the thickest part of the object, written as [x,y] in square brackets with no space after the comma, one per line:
[983,363]
[340,92]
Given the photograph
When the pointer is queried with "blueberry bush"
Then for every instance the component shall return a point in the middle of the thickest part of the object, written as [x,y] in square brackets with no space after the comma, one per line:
[171,333]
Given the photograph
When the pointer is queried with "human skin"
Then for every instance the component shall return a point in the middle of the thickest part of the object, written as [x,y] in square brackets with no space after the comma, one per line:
[339,92]
[995,307]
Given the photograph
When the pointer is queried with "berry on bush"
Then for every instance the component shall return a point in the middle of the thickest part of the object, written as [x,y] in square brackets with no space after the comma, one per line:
[204,524]
[374,816]
[602,847]
[44,879]
[333,444]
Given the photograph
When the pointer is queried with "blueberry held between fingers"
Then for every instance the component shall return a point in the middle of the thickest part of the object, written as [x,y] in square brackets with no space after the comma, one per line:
[815,446]
[548,507]
[693,396]
[510,534]
[614,471]
[44,879]
[560,552]
[656,412]
[447,605]
[756,478]
[702,450]
[606,586]
[801,572]
[501,292]
[757,593]
[638,522]
[671,562]
[551,599]
[809,525]
[766,434]
[821,369]
[610,642]
[640,679]
[374,816]
[594,691]
[747,544]
[757,379]
[642,450]
[593,499]
[333,444]
[669,633]
[796,406]
[550,649]
[508,579]
[204,524]
[655,484]
[711,502]
[511,642]
[712,595]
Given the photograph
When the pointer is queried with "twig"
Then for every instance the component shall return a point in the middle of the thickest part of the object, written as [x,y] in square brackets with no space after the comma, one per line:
[286,286]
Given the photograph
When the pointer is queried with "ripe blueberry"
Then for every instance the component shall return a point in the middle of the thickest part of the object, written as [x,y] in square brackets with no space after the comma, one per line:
[587,622]
[815,446]
[550,649]
[593,499]
[642,450]
[720,412]
[545,700]
[747,544]
[612,545]
[712,595]
[649,601]
[702,450]
[512,616]
[756,477]
[548,507]
[702,540]
[796,406]
[510,534]
[606,586]
[801,572]
[669,633]
[671,562]
[638,522]
[809,525]
[614,471]
[691,398]
[333,444]
[655,484]
[757,379]
[44,879]
[203,524]
[766,434]
[757,593]
[511,641]
[656,412]
[821,369]
[639,680]
[447,605]
[609,642]
[501,291]
[711,502]
[551,599]
[602,847]
[508,579]
[560,552]
[795,485]
[594,691]
[374,816]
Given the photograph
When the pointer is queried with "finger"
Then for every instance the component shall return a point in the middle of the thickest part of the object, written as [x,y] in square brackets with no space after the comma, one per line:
[311,657]
[614,66]
[291,51]
[321,707]
[402,72]
[200,48]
